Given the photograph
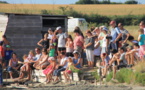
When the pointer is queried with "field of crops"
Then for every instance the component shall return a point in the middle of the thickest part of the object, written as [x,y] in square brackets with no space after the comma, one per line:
[87,9]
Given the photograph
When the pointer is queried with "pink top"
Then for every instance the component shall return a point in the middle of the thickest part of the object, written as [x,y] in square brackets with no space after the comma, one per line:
[77,41]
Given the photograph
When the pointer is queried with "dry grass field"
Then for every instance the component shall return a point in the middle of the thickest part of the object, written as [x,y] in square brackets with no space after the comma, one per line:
[87,9]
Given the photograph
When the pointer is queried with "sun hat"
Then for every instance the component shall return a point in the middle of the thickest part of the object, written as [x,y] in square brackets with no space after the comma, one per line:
[58,28]
[105,28]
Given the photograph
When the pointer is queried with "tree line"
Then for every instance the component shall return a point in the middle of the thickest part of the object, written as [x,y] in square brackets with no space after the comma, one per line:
[105,2]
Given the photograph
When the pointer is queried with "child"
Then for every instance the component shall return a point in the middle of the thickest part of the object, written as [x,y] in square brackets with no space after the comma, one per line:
[23,68]
[97,51]
[69,46]
[141,42]
[70,68]
[8,53]
[51,51]
[49,69]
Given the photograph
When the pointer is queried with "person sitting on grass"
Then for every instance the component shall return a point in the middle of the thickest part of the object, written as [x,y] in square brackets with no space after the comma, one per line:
[70,69]
[133,54]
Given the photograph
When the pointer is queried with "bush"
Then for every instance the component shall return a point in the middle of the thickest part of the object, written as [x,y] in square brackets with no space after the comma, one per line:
[125,75]
[140,78]
[109,76]
[95,74]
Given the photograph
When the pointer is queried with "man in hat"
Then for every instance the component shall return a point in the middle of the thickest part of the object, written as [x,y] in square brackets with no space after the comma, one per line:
[116,35]
[61,39]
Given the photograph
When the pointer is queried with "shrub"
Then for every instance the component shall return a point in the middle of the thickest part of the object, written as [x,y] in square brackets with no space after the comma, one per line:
[95,74]
[109,76]
[140,78]
[125,75]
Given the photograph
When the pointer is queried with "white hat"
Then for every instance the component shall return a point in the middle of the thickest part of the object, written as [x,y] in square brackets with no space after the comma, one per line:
[104,28]
[75,52]
[58,28]
[51,58]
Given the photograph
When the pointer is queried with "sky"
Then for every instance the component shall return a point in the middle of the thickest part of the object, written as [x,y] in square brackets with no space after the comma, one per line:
[55,1]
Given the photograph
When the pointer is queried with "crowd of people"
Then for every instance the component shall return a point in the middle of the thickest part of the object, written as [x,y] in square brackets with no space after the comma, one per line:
[59,52]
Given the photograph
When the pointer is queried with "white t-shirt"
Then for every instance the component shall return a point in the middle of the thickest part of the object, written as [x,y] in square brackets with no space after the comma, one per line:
[63,61]
[104,42]
[49,36]
[61,39]
[97,51]
[144,30]
[37,56]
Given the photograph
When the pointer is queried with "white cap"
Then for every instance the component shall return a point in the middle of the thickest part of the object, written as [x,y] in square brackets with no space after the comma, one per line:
[104,28]
[75,52]
[51,58]
[58,28]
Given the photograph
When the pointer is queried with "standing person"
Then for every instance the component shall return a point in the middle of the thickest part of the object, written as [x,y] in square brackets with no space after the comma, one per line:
[2,52]
[105,49]
[44,43]
[61,36]
[8,53]
[142,25]
[1,73]
[116,35]
[141,39]
[79,30]
[5,41]
[78,42]
[61,66]
[89,46]
[69,46]
[125,33]
[50,34]
[97,51]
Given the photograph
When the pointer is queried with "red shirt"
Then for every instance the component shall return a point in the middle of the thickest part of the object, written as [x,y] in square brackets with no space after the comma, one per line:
[2,51]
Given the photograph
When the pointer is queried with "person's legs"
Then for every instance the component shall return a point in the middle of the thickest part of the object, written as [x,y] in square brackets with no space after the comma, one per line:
[57,73]
[114,71]
[1,78]
[28,70]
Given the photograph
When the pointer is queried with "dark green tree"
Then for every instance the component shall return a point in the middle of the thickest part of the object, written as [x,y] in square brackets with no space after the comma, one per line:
[131,2]
[85,2]
[3,2]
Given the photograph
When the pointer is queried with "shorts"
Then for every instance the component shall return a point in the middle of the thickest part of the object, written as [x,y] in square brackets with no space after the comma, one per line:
[90,55]
[69,54]
[105,51]
[61,48]
[10,69]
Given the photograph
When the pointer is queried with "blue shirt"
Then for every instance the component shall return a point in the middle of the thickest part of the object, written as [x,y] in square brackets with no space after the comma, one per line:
[142,40]
[114,33]
[75,61]
[8,54]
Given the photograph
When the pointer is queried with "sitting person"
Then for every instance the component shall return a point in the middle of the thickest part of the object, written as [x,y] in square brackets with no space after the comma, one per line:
[121,61]
[77,60]
[131,40]
[13,65]
[42,62]
[132,54]
[60,67]
[49,69]
[23,68]
[70,68]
